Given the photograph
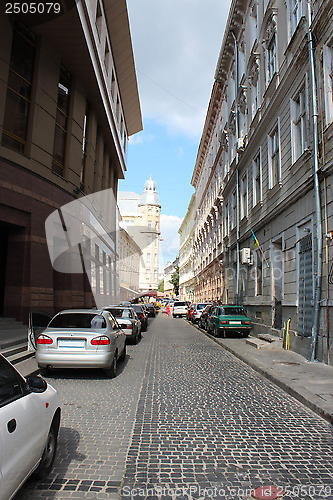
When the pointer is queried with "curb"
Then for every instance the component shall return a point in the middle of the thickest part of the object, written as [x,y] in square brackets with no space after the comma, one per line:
[283,385]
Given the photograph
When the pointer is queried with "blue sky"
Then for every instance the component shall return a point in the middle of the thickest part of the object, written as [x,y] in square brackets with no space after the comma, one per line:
[176,45]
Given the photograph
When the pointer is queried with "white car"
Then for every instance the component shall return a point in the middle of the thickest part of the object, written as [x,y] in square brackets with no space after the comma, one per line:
[29,426]
[179,309]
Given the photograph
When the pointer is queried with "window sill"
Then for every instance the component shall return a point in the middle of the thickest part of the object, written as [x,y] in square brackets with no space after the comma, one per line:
[258,206]
[275,189]
[300,161]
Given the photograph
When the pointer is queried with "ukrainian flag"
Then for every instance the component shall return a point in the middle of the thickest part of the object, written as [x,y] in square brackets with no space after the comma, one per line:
[256,242]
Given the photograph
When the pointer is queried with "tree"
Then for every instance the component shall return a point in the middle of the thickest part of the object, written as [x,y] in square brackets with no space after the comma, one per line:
[161,286]
[175,281]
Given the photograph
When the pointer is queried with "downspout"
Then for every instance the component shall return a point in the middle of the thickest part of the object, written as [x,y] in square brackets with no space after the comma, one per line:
[237,171]
[316,315]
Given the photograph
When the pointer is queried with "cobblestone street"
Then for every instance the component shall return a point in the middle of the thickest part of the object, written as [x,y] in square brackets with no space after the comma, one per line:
[183,419]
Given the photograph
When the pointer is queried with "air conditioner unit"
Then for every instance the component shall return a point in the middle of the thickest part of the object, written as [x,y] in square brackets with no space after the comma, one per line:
[245,254]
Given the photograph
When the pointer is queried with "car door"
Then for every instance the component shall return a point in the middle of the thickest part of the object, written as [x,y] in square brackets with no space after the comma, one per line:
[212,319]
[22,429]
[117,334]
[38,321]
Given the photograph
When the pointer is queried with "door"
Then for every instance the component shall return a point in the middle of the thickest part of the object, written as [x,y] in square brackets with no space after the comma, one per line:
[22,429]
[38,321]
[305,287]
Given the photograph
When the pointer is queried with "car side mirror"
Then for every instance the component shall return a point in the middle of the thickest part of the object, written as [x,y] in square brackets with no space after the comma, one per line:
[36,384]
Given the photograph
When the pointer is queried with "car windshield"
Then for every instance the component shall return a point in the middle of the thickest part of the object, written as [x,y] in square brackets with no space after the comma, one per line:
[180,304]
[120,313]
[78,320]
[201,306]
[232,311]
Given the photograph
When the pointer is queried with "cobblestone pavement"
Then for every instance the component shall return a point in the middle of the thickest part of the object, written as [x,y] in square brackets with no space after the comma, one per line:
[184,419]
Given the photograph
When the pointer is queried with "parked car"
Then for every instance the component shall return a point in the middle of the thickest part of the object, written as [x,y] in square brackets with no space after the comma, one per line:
[151,309]
[29,422]
[128,320]
[143,316]
[205,316]
[82,338]
[179,309]
[229,319]
[190,311]
[197,311]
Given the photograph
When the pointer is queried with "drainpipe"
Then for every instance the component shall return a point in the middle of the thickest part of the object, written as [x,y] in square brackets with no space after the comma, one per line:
[237,171]
[316,315]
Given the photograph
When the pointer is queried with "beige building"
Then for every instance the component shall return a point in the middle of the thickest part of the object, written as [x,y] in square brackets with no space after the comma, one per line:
[141,219]
[128,265]
[264,170]
[68,103]
[186,256]
[169,270]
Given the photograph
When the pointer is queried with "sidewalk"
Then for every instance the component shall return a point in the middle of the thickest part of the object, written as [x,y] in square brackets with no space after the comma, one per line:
[310,383]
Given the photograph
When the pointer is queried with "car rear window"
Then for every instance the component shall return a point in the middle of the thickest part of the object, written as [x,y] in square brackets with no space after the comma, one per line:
[181,304]
[232,311]
[120,313]
[201,306]
[78,320]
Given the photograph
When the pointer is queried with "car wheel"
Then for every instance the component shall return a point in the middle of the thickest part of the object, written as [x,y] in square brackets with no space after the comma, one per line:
[112,371]
[123,354]
[215,332]
[136,338]
[44,371]
[246,334]
[49,453]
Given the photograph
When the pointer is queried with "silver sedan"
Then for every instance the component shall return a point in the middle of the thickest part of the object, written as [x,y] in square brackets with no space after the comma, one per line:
[127,320]
[81,338]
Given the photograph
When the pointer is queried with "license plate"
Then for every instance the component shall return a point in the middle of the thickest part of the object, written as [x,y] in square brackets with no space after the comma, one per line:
[72,344]
[235,322]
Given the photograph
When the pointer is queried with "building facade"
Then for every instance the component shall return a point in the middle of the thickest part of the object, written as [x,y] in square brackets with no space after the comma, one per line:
[141,219]
[129,266]
[68,102]
[264,171]
[186,256]
[169,270]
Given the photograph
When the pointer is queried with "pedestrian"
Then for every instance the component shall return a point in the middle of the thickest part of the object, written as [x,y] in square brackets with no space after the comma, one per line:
[168,309]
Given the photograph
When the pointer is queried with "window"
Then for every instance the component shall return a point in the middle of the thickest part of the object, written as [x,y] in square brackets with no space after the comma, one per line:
[60,133]
[148,259]
[226,218]
[253,23]
[18,100]
[10,383]
[149,224]
[107,57]
[99,20]
[234,210]
[328,81]
[258,273]
[243,200]
[156,226]
[298,125]
[84,145]
[271,55]
[274,158]
[295,14]
[256,187]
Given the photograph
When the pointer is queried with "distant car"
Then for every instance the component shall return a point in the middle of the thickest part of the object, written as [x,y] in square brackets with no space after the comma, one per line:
[229,319]
[82,338]
[197,311]
[126,303]
[142,315]
[128,320]
[179,309]
[29,422]
[151,309]
[203,320]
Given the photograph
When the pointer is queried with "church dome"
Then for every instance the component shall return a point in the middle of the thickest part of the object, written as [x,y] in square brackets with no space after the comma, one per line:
[149,195]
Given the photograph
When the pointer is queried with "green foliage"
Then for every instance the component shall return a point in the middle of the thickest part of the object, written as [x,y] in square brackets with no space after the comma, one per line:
[175,281]
[161,286]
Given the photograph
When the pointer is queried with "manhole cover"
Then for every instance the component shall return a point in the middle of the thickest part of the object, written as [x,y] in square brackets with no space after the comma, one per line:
[269,492]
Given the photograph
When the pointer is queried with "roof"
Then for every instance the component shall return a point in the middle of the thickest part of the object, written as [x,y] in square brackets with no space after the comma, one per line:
[149,195]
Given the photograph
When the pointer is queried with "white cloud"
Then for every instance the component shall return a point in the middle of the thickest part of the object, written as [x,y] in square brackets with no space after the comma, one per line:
[176,45]
[169,247]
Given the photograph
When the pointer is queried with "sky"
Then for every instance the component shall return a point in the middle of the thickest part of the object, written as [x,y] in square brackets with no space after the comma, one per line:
[176,44]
